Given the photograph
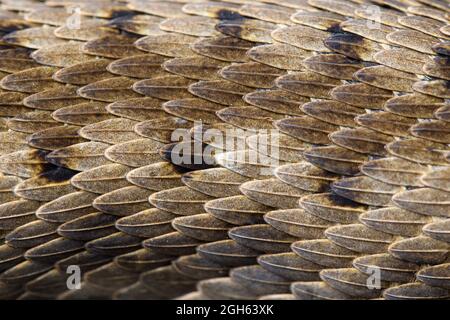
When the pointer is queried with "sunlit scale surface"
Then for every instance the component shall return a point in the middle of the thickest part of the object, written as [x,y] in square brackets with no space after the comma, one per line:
[336,183]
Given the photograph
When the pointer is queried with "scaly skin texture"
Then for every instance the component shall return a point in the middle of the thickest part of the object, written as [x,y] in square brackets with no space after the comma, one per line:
[353,96]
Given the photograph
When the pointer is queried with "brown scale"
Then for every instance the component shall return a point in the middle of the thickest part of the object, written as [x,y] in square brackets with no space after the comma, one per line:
[310,201]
